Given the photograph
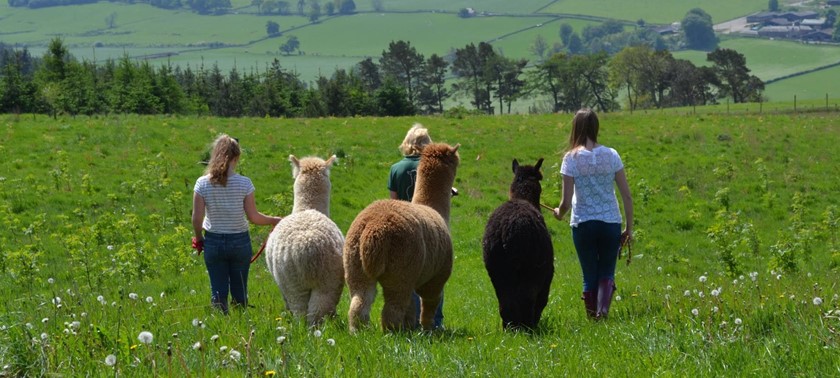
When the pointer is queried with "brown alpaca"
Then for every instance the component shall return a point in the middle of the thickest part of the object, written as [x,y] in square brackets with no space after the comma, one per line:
[405,247]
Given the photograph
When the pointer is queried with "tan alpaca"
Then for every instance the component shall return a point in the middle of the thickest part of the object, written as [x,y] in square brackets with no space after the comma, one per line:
[303,252]
[405,247]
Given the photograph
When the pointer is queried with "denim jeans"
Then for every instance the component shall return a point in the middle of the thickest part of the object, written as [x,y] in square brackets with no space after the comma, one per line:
[597,245]
[438,314]
[228,258]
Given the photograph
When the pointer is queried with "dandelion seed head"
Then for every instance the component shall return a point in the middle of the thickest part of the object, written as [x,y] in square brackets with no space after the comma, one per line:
[214,337]
[715,309]
[132,296]
[753,276]
[235,355]
[56,301]
[659,269]
[701,295]
[738,321]
[715,292]
[817,301]
[101,300]
[110,360]
[618,298]
[792,297]
[28,325]
[331,342]
[149,299]
[317,333]
[44,320]
[196,322]
[281,339]
[702,279]
[192,292]
[75,325]
[197,345]
[145,337]
[778,277]
[223,348]
[50,280]
[162,294]
[695,312]
[687,293]
[44,336]
[110,247]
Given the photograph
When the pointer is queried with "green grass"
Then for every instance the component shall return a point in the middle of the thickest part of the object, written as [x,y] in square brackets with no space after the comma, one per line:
[139,174]
[666,11]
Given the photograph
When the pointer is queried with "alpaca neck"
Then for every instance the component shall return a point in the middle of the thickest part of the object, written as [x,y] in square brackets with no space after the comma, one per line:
[312,200]
[434,192]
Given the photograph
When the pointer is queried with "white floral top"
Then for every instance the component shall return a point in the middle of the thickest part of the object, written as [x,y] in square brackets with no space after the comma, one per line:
[594,173]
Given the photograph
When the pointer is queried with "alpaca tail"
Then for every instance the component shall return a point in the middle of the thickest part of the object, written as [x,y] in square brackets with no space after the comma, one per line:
[373,252]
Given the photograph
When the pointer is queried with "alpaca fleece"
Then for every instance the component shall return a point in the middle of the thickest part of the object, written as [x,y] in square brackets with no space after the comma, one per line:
[405,247]
[303,252]
[518,253]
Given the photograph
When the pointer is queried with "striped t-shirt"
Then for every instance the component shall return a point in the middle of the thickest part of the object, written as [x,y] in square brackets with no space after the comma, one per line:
[224,205]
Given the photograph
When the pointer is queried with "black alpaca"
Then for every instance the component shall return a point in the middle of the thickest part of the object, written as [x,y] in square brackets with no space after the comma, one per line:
[518,254]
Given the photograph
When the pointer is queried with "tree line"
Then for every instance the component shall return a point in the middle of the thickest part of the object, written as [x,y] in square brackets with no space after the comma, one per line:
[401,81]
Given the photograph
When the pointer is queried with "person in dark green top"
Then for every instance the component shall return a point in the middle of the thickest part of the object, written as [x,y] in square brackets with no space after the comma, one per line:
[401,185]
[404,172]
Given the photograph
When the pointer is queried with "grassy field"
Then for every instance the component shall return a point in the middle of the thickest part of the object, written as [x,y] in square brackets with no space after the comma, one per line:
[733,273]
[341,42]
[665,12]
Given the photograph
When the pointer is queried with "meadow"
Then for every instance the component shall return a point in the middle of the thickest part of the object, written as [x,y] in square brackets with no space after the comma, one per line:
[239,40]
[733,271]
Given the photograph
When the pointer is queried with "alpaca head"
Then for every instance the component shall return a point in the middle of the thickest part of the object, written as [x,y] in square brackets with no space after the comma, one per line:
[312,183]
[435,176]
[526,182]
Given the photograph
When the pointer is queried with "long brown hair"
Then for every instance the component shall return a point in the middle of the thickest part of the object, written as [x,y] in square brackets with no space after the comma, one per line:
[584,126]
[225,151]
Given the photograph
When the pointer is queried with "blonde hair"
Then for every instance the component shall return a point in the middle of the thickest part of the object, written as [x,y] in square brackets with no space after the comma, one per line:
[584,126]
[415,140]
[225,151]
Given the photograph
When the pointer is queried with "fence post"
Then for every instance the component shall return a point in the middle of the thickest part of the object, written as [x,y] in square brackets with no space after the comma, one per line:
[826,102]
[794,103]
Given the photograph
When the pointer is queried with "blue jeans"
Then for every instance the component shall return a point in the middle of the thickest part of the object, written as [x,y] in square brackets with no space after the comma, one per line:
[438,314]
[228,259]
[597,245]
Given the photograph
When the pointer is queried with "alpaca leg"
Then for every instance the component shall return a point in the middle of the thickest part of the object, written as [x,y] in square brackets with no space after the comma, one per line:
[542,298]
[431,295]
[297,301]
[397,303]
[361,299]
[509,308]
[322,304]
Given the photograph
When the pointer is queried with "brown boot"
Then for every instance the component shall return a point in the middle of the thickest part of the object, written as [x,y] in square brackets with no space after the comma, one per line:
[606,289]
[590,300]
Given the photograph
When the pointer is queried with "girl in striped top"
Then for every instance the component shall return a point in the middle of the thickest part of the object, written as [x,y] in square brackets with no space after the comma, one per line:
[223,204]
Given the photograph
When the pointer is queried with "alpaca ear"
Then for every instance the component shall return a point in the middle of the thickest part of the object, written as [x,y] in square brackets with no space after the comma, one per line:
[455,148]
[330,161]
[539,164]
[515,165]
[295,165]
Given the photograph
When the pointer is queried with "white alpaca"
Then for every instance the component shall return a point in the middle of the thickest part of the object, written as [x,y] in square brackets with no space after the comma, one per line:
[304,251]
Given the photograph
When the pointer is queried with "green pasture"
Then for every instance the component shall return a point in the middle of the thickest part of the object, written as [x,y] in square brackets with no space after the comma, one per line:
[772,59]
[495,6]
[814,85]
[657,11]
[733,272]
[518,45]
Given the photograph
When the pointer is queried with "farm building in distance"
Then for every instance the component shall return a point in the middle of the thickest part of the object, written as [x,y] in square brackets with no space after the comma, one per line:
[804,25]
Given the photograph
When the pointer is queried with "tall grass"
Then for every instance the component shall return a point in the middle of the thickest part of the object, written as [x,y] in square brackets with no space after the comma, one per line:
[733,272]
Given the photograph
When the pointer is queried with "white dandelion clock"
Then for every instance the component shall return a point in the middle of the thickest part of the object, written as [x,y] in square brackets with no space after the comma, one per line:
[317,333]
[738,321]
[331,342]
[145,337]
[702,279]
[110,360]
[817,301]
[235,355]
[695,312]
[133,296]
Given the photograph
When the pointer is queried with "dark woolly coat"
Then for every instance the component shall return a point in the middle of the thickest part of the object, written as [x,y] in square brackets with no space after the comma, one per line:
[518,253]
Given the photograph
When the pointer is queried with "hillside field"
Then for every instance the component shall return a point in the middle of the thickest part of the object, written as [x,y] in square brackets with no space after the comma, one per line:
[733,270]
[239,39]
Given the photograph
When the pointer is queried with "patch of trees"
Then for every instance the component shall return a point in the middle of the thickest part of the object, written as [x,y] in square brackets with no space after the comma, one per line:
[399,82]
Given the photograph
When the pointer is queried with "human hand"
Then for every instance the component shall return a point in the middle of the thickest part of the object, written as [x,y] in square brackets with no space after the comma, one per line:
[626,237]
[556,212]
[197,245]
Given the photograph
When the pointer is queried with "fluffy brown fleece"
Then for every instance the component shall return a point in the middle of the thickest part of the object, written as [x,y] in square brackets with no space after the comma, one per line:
[405,247]
[518,254]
